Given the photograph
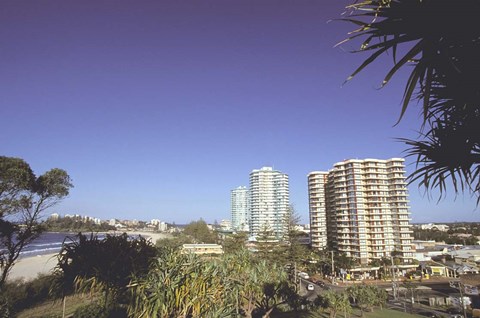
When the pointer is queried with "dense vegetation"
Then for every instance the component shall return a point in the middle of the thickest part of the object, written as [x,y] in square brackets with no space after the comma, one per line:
[165,282]
[450,236]
[444,237]
[438,42]
[132,278]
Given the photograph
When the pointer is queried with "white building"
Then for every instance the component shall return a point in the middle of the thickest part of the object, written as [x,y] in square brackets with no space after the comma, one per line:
[431,226]
[240,209]
[269,202]
[225,225]
[367,212]
[162,227]
[155,222]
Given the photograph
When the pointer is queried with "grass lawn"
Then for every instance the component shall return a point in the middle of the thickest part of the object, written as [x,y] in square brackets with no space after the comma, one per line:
[51,309]
[388,313]
[355,314]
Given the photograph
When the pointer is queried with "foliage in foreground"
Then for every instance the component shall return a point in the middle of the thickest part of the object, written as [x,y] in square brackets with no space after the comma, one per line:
[179,285]
[440,41]
[18,294]
[106,265]
[184,285]
[23,198]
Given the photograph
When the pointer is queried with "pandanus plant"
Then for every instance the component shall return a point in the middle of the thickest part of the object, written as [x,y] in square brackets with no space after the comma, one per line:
[440,41]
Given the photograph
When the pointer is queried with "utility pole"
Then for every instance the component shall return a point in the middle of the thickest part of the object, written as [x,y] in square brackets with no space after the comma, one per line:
[295,273]
[394,284]
[460,288]
[333,268]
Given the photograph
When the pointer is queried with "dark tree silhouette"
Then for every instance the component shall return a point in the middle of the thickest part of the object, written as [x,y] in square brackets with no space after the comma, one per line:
[441,39]
[107,265]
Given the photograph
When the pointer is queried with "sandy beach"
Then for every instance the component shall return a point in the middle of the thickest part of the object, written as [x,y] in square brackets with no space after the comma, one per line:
[29,267]
[153,236]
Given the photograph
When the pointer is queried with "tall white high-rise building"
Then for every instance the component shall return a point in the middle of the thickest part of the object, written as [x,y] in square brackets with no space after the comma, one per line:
[240,209]
[269,202]
[367,212]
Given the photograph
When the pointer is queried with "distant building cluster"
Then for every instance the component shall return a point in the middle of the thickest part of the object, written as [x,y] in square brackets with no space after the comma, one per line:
[447,260]
[264,206]
[158,225]
[84,218]
[432,226]
[153,225]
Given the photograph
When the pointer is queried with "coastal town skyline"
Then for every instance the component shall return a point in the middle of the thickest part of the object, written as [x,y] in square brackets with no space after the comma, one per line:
[159,109]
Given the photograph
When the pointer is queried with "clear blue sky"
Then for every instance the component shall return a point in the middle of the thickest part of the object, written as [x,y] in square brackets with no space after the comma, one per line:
[157,109]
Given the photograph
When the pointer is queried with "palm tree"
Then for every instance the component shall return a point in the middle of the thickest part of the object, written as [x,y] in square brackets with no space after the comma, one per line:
[337,302]
[262,286]
[180,285]
[353,292]
[257,284]
[106,265]
[234,267]
[366,296]
[441,39]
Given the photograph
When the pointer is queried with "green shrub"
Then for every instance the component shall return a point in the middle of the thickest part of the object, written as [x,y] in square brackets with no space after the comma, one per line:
[95,310]
[18,294]
[90,311]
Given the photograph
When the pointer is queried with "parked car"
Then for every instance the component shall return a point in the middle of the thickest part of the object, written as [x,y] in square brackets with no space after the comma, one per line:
[303,275]
[319,283]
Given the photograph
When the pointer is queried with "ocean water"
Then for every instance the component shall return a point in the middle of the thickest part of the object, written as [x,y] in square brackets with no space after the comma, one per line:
[51,242]
[47,243]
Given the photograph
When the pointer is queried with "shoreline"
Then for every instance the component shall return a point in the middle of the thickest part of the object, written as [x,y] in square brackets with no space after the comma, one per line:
[29,267]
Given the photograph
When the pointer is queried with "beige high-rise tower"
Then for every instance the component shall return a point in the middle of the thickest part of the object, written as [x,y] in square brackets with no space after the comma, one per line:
[317,205]
[366,210]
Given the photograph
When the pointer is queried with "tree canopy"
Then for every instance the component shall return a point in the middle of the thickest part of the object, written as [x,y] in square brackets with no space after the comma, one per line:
[23,197]
[200,232]
[441,41]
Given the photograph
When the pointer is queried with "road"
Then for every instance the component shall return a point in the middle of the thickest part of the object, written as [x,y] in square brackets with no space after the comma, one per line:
[403,303]
[318,290]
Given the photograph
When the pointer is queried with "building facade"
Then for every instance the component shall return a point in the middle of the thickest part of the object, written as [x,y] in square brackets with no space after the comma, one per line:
[317,206]
[367,213]
[240,209]
[269,202]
